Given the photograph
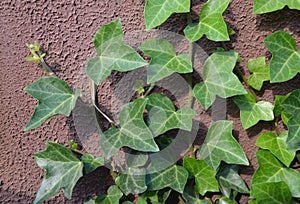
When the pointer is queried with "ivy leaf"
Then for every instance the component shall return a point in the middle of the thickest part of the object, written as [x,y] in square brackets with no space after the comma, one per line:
[285,61]
[91,163]
[133,180]
[271,170]
[224,200]
[260,72]
[63,170]
[218,79]
[174,177]
[291,105]
[211,22]
[266,6]
[205,176]
[278,104]
[54,96]
[162,115]
[191,196]
[133,132]
[158,11]
[113,196]
[273,192]
[164,60]
[113,54]
[251,112]
[220,145]
[276,145]
[229,179]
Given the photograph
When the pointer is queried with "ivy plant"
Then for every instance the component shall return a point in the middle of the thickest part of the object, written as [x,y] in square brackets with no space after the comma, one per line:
[147,123]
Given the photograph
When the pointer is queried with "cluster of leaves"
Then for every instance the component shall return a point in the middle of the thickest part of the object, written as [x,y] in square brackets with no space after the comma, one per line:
[215,167]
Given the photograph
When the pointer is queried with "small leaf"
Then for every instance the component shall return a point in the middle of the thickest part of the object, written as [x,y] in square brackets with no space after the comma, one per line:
[251,112]
[273,192]
[163,116]
[113,54]
[164,60]
[63,170]
[211,22]
[220,145]
[224,200]
[271,170]
[218,79]
[91,163]
[174,177]
[139,86]
[133,131]
[191,196]
[113,196]
[54,96]
[133,180]
[285,61]
[158,11]
[277,145]
[278,104]
[260,72]
[266,6]
[205,176]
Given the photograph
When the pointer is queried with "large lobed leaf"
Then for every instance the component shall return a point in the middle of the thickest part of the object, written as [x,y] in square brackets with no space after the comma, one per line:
[211,22]
[285,61]
[63,170]
[266,6]
[158,11]
[260,72]
[133,180]
[218,79]
[113,54]
[54,96]
[164,60]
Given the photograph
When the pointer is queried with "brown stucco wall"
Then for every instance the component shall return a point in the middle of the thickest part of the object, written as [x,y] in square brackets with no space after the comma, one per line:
[66,29]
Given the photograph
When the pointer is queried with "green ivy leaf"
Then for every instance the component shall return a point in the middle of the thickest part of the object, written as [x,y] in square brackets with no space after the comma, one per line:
[54,96]
[229,179]
[133,131]
[218,79]
[191,196]
[220,145]
[133,180]
[113,196]
[205,176]
[273,192]
[266,6]
[164,60]
[285,61]
[211,22]
[113,54]
[158,11]
[63,170]
[174,177]
[91,163]
[291,105]
[277,145]
[251,112]
[260,72]
[162,115]
[271,170]
[224,200]
[278,104]
[156,197]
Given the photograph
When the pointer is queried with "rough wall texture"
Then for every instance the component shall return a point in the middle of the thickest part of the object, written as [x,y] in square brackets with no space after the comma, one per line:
[66,29]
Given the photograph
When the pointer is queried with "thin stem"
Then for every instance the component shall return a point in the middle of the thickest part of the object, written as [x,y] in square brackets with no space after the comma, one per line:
[77,151]
[149,90]
[181,199]
[277,131]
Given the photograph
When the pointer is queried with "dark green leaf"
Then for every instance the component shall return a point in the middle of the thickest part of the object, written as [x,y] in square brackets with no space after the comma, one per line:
[191,196]
[63,170]
[266,6]
[91,163]
[278,104]
[54,96]
[220,145]
[218,79]
[113,196]
[260,72]
[133,180]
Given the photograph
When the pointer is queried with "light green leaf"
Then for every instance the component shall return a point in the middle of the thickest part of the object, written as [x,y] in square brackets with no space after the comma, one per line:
[211,22]
[91,163]
[133,131]
[220,145]
[191,196]
[260,72]
[113,196]
[277,145]
[133,180]
[54,96]
[266,6]
[205,176]
[278,104]
[270,193]
[224,200]
[218,79]
[291,105]
[113,54]
[164,60]
[285,61]
[141,201]
[157,197]
[158,11]
[271,170]
[63,170]
[162,115]
[251,112]
[174,177]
